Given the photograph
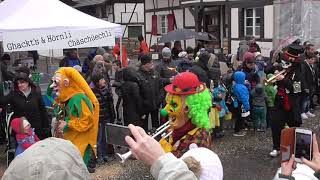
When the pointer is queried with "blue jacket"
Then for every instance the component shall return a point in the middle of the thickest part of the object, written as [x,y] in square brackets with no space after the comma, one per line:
[220,102]
[240,91]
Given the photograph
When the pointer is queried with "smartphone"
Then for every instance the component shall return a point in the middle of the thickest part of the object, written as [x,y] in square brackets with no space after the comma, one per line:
[303,144]
[115,134]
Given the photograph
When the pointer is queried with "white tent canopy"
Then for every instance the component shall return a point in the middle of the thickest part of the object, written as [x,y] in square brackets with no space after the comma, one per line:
[50,24]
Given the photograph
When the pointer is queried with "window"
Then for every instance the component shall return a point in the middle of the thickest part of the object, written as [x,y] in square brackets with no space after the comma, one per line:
[163,24]
[134,31]
[252,21]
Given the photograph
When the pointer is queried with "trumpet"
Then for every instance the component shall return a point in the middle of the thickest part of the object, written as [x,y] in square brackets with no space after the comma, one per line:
[160,130]
[273,79]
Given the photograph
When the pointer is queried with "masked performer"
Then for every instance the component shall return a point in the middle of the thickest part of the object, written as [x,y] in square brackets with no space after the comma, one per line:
[188,103]
[289,90]
[80,124]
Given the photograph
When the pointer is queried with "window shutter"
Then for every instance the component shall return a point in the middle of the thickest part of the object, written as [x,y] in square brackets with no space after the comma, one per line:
[241,22]
[154,30]
[171,20]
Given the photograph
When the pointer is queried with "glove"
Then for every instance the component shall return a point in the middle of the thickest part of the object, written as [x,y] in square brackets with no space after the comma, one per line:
[245,114]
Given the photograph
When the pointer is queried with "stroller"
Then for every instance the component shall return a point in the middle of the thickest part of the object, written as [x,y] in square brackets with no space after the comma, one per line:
[10,137]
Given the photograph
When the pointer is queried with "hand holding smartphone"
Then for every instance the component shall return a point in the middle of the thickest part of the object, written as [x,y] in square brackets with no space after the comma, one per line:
[303,144]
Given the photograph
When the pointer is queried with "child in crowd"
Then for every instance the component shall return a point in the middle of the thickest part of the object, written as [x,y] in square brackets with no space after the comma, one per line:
[25,135]
[271,92]
[241,103]
[261,64]
[259,108]
[102,91]
[219,94]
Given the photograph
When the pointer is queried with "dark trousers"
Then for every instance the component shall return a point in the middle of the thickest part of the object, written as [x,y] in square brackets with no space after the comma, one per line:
[118,106]
[239,124]
[154,118]
[277,124]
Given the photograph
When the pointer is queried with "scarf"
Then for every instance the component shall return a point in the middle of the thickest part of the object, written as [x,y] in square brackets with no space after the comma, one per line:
[179,133]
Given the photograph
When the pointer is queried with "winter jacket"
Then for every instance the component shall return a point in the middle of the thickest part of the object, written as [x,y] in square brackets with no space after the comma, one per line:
[271,94]
[184,65]
[132,101]
[201,69]
[240,91]
[149,89]
[308,80]
[105,98]
[166,70]
[71,62]
[258,96]
[7,75]
[24,140]
[32,107]
[220,103]
[170,167]
[243,48]
[302,171]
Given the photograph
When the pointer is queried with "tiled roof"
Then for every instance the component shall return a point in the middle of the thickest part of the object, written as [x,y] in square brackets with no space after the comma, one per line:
[82,3]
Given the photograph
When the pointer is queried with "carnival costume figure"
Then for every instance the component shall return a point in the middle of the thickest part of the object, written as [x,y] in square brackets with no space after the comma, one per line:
[188,104]
[80,123]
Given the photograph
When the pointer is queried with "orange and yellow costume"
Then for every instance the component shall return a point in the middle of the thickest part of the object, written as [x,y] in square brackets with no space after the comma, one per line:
[82,109]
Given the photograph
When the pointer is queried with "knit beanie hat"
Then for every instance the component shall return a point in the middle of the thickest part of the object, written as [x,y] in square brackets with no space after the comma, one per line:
[210,164]
[100,51]
[145,59]
[51,158]
[166,53]
[248,57]
[96,78]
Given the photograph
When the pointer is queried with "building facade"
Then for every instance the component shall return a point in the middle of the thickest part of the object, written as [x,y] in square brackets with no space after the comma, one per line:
[128,13]
[229,21]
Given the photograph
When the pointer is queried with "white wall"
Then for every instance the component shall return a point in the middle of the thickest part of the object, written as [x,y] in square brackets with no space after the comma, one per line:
[234,23]
[189,21]
[268,22]
[266,47]
[138,16]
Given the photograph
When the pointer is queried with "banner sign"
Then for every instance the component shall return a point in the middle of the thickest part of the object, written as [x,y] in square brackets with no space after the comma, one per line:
[57,39]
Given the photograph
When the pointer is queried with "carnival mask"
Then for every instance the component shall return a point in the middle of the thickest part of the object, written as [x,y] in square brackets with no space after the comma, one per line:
[57,83]
[177,110]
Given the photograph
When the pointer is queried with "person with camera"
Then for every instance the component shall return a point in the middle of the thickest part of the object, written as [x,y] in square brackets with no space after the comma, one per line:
[307,170]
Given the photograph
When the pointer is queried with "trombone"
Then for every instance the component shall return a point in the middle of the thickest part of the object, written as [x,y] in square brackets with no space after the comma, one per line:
[160,130]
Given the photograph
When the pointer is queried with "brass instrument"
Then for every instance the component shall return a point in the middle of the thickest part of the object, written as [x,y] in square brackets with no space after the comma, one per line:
[273,79]
[160,130]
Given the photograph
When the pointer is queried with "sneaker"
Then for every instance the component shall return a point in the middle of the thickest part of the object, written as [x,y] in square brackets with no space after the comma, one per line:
[310,115]
[274,153]
[91,170]
[239,134]
[304,116]
[108,158]
[261,130]
[100,161]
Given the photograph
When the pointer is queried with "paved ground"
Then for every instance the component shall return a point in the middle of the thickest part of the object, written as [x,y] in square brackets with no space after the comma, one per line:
[243,158]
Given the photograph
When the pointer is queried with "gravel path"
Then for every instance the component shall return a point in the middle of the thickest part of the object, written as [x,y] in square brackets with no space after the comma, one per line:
[243,158]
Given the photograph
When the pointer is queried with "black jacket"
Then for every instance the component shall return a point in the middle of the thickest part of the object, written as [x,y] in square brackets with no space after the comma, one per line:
[164,71]
[201,70]
[6,74]
[105,98]
[132,101]
[308,78]
[31,107]
[149,89]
